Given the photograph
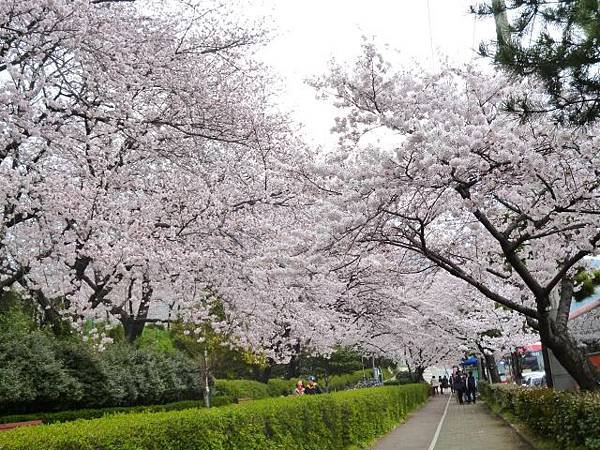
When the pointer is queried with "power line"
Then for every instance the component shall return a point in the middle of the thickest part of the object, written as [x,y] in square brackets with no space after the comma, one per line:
[430,36]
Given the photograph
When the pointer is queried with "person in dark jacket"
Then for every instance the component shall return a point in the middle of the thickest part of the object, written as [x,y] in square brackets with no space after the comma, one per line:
[444,383]
[471,388]
[312,387]
[460,387]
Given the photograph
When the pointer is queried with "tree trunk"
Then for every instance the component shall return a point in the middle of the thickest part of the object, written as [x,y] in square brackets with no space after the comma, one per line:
[517,367]
[418,374]
[575,362]
[492,368]
[133,324]
[132,328]
[568,353]
[490,364]
[50,315]
[292,367]
[547,369]
[266,372]
[484,372]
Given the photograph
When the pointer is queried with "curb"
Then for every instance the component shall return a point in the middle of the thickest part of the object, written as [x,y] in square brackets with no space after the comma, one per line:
[522,435]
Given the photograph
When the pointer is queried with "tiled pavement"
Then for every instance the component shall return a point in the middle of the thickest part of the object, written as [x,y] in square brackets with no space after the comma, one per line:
[465,427]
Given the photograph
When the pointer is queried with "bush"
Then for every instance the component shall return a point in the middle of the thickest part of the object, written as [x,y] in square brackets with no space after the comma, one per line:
[147,376]
[41,372]
[242,389]
[32,374]
[334,421]
[572,419]
[397,382]
[348,381]
[278,387]
[69,416]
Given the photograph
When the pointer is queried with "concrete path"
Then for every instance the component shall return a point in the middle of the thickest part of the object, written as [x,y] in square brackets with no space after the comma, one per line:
[443,424]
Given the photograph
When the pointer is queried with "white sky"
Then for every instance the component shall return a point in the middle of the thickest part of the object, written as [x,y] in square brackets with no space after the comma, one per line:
[310,32]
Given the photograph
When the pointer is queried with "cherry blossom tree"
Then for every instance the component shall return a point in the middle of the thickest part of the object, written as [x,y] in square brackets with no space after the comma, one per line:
[508,207]
[431,318]
[140,152]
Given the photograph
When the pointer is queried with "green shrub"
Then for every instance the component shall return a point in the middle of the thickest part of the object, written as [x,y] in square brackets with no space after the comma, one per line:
[41,372]
[32,372]
[68,416]
[396,382]
[572,419]
[278,387]
[242,389]
[331,421]
[147,376]
[221,400]
[347,381]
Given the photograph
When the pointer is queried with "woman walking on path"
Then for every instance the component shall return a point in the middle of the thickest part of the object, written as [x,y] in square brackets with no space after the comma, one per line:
[435,384]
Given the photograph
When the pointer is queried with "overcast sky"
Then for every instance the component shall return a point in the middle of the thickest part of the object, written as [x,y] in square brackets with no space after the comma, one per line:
[310,32]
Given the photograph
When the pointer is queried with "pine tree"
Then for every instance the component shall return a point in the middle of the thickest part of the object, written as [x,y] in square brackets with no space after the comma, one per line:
[556,41]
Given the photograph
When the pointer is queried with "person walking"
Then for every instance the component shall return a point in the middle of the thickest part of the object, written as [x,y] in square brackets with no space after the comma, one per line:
[435,384]
[444,383]
[451,382]
[299,388]
[471,387]
[460,387]
[312,388]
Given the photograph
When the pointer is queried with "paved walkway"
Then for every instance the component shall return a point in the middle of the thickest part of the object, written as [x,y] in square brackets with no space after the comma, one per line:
[443,424]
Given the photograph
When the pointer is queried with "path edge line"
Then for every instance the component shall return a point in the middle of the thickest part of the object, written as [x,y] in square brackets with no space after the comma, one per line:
[439,427]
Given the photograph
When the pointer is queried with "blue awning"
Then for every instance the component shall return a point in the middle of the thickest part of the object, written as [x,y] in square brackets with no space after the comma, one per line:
[470,361]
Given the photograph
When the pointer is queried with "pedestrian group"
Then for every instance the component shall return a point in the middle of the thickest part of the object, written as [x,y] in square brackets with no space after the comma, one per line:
[462,384]
[311,387]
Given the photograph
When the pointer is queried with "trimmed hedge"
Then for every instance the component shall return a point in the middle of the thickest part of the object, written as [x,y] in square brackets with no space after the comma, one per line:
[278,387]
[227,392]
[570,418]
[242,389]
[348,381]
[331,421]
[68,416]
[401,382]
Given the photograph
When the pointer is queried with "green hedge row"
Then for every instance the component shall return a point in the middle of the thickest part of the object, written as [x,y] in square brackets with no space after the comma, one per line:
[278,387]
[226,392]
[347,381]
[396,382]
[242,389]
[68,416]
[329,421]
[572,419]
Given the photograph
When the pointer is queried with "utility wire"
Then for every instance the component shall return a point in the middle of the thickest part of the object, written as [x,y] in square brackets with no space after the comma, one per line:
[430,36]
